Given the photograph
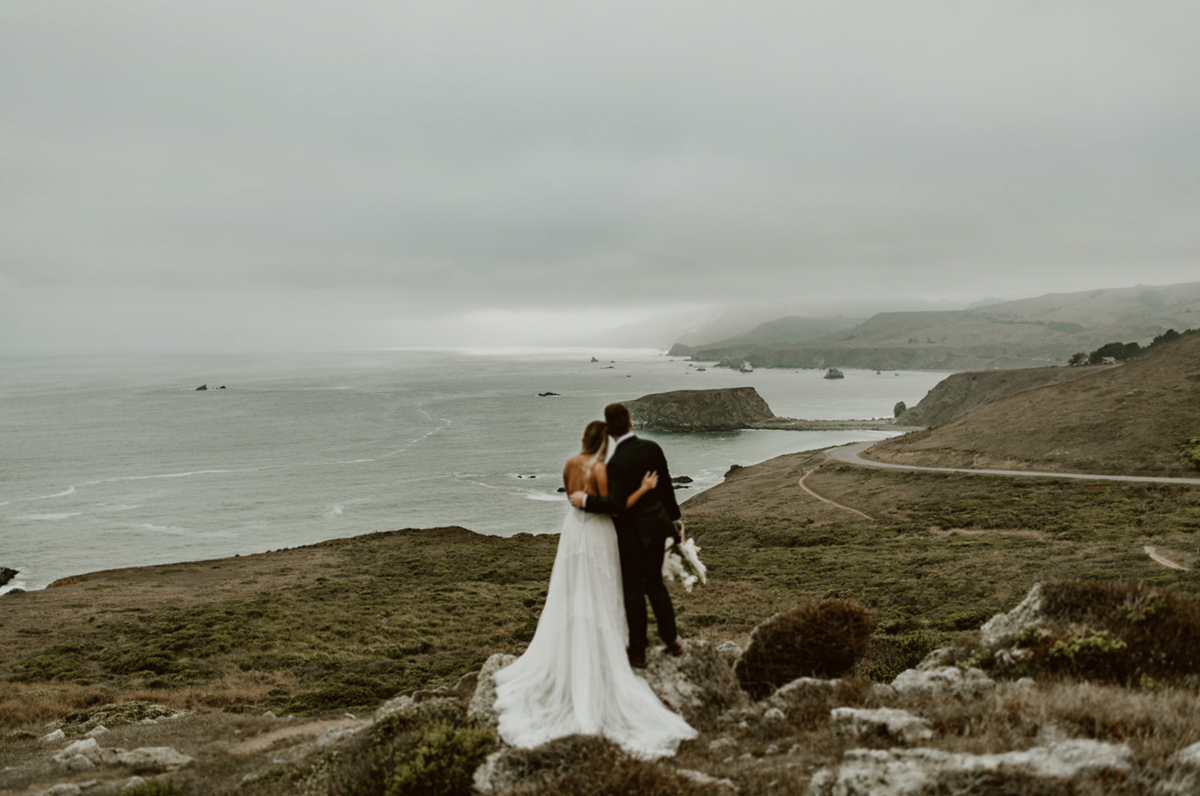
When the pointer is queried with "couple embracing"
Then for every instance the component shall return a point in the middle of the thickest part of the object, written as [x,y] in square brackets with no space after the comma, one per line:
[576,675]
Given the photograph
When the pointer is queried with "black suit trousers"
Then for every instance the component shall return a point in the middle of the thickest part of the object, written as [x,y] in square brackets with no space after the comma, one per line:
[641,578]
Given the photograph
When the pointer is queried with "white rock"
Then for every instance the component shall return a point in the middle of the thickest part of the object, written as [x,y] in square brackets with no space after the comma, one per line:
[700,778]
[78,763]
[774,714]
[943,656]
[697,681]
[822,782]
[65,789]
[798,690]
[948,679]
[883,691]
[148,721]
[898,772]
[87,747]
[132,782]
[899,725]
[57,735]
[773,749]
[483,703]
[724,742]
[270,714]
[730,651]
[1188,756]
[335,734]
[153,758]
[96,731]
[1003,629]
[397,705]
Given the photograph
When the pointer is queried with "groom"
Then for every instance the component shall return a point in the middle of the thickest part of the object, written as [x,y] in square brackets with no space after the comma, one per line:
[641,530]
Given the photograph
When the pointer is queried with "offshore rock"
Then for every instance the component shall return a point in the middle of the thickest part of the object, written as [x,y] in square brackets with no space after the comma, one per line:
[699,410]
[6,575]
[834,373]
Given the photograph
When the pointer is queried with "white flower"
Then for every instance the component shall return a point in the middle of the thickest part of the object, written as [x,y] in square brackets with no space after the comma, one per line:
[682,563]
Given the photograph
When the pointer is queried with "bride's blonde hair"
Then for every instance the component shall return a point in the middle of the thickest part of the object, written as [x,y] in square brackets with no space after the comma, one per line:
[595,442]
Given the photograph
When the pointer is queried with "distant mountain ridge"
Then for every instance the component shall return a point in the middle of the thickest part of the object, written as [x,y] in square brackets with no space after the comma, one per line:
[1035,332]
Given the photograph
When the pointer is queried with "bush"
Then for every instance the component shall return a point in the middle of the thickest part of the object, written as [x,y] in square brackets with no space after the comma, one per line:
[1124,633]
[1189,453]
[822,639]
[589,765]
[888,656]
[441,760]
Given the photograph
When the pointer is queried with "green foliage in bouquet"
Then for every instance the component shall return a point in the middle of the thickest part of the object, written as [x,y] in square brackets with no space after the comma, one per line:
[823,639]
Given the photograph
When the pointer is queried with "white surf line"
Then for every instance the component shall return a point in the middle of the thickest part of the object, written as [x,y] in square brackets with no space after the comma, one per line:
[1159,558]
[804,486]
[849,454]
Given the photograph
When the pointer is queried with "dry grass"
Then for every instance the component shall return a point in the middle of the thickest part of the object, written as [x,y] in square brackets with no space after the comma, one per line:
[1127,420]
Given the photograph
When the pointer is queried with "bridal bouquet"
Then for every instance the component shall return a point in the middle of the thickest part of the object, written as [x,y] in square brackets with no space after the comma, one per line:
[682,562]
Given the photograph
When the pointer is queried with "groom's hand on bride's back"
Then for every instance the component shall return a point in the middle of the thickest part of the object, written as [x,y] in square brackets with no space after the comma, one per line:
[576,499]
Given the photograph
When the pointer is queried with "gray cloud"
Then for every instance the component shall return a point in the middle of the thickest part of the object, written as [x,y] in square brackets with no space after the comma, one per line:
[470,155]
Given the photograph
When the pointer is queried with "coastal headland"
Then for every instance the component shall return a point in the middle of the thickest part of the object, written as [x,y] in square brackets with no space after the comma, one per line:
[337,628]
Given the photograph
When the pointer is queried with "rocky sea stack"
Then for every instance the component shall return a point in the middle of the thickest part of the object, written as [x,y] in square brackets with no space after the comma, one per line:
[700,410]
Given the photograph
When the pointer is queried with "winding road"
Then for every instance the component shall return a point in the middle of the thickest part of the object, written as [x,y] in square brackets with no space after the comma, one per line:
[850,454]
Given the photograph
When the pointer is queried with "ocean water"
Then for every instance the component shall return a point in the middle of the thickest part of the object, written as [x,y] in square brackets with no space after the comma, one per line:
[118,461]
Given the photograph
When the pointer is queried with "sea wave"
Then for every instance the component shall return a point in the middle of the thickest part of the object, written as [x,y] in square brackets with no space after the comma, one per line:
[68,491]
[543,496]
[175,530]
[64,515]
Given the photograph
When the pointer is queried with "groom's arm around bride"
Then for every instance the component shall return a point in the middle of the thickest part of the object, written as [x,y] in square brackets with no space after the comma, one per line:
[642,530]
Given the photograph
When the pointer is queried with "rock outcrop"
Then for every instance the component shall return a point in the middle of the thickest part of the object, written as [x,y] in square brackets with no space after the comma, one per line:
[834,373]
[699,410]
[6,575]
[894,772]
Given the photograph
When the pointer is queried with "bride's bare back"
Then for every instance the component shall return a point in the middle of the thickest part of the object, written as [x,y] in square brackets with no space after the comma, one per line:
[576,476]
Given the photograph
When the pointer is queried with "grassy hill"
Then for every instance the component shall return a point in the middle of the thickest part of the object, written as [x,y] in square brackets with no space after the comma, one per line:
[1017,334]
[1129,419]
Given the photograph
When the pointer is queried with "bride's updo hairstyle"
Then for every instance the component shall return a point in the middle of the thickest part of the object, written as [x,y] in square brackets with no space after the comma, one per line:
[595,440]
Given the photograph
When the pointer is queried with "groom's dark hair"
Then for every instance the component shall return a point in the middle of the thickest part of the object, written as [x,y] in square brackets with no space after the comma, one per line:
[617,418]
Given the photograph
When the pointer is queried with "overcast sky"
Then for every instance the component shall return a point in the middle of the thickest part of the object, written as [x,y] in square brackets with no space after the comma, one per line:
[285,173]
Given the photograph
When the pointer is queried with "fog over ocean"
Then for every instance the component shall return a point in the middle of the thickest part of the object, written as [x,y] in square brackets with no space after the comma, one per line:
[118,461]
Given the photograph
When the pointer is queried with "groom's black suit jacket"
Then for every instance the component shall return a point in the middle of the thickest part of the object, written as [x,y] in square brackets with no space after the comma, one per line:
[648,522]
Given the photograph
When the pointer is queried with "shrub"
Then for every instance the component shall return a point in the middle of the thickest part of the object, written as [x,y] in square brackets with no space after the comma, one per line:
[822,639]
[589,765]
[44,668]
[1125,633]
[889,656]
[441,760]
[1189,453]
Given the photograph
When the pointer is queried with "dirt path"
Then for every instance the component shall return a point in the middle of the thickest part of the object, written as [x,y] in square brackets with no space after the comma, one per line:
[805,487]
[850,454]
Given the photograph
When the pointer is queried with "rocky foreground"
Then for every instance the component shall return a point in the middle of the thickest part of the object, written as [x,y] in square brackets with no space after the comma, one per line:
[942,727]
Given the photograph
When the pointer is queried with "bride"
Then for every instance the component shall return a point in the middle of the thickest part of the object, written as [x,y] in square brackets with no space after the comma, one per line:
[575,676]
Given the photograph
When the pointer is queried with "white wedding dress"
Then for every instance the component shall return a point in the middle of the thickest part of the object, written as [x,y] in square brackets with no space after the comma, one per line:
[575,676]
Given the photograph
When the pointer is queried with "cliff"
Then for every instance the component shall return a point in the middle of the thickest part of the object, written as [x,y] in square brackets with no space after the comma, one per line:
[700,410]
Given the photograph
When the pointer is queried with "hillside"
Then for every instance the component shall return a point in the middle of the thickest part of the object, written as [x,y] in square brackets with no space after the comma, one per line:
[1027,333]
[1129,419]
[961,392]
